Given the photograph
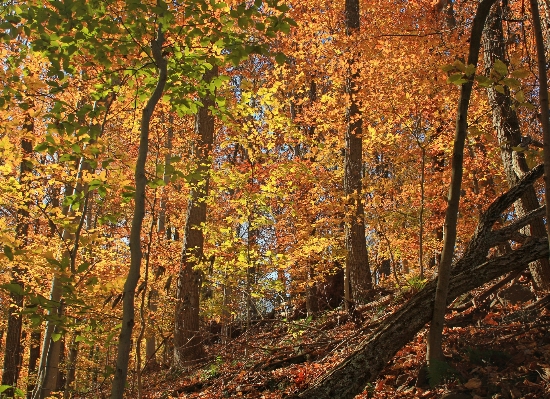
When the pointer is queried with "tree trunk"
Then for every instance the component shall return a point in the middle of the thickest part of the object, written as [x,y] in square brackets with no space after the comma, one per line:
[49,359]
[543,100]
[434,349]
[61,376]
[125,338]
[150,341]
[472,270]
[152,301]
[506,124]
[34,355]
[12,354]
[188,345]
[312,298]
[358,279]
[71,367]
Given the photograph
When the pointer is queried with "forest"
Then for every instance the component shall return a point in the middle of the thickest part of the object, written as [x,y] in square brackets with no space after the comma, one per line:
[272,199]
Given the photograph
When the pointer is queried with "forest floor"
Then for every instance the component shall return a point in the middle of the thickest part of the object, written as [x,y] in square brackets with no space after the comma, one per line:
[494,351]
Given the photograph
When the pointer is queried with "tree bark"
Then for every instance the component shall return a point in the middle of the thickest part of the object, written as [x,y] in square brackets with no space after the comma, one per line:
[188,344]
[358,279]
[434,349]
[12,353]
[71,367]
[472,270]
[506,124]
[34,355]
[543,100]
[125,338]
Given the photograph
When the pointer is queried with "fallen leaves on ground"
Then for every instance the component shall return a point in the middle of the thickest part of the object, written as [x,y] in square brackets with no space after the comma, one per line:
[274,358]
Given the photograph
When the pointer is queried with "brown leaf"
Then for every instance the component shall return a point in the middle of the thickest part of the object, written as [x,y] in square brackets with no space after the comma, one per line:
[473,383]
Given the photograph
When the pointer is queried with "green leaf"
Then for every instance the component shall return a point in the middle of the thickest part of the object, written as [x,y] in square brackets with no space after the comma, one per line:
[41,147]
[56,337]
[76,148]
[156,183]
[35,321]
[92,281]
[520,96]
[8,252]
[243,23]
[483,81]
[280,58]
[80,338]
[128,193]
[457,79]
[501,68]
[4,388]
[102,191]
[83,267]
[511,83]
[499,88]
[470,70]
[94,184]
[459,65]
[13,288]
[521,73]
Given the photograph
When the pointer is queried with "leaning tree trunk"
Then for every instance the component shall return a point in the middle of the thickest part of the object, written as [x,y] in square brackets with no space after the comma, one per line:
[125,338]
[12,354]
[434,348]
[506,124]
[188,345]
[471,271]
[358,279]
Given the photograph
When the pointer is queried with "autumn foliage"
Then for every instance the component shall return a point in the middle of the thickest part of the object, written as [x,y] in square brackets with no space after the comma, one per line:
[77,77]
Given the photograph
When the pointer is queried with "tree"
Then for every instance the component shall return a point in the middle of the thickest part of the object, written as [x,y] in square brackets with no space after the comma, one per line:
[358,280]
[434,348]
[125,339]
[507,125]
[12,354]
[188,343]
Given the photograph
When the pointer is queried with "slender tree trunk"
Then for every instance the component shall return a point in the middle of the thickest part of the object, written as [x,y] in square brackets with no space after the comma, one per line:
[34,355]
[312,297]
[150,342]
[12,354]
[543,100]
[226,312]
[434,347]
[125,338]
[152,300]
[48,378]
[506,124]
[48,369]
[188,345]
[71,367]
[358,279]
[421,213]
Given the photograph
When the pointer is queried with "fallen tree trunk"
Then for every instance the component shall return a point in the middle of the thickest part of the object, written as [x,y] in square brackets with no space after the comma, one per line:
[471,271]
